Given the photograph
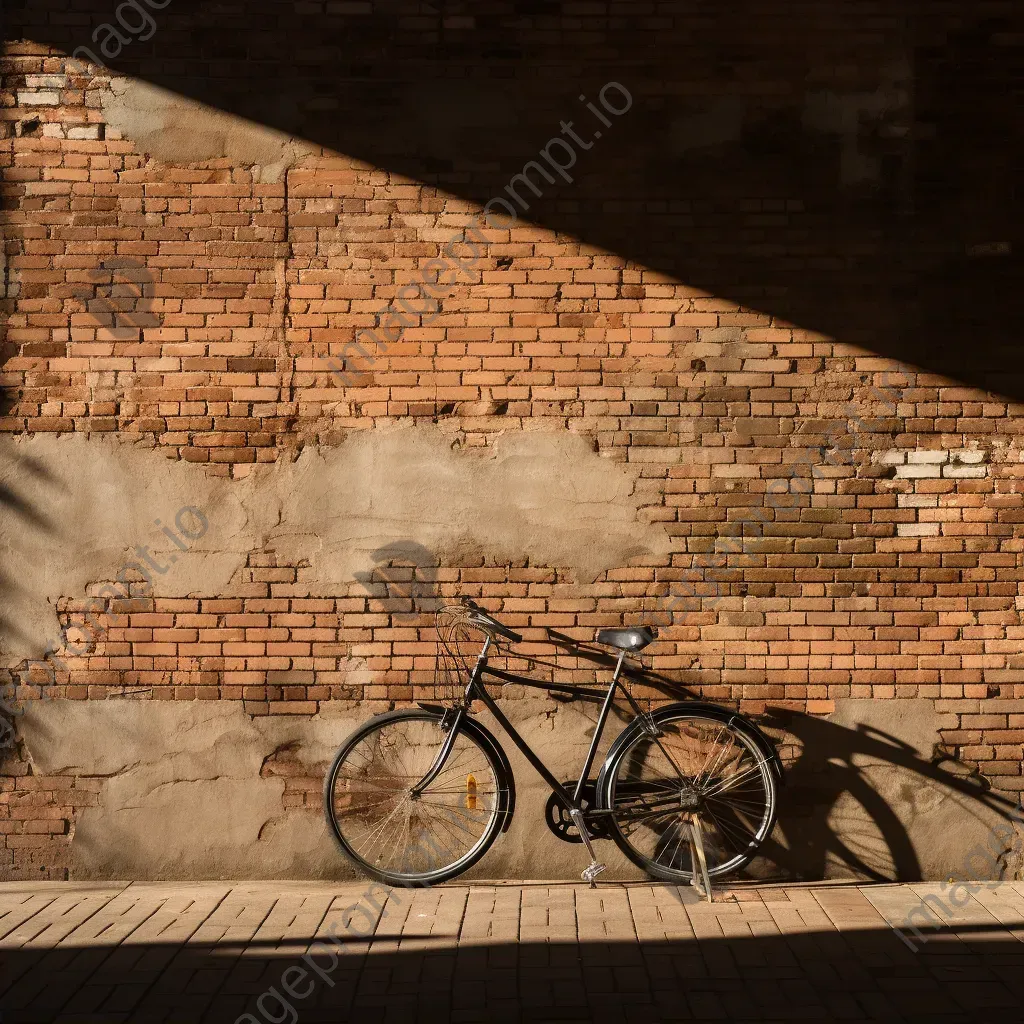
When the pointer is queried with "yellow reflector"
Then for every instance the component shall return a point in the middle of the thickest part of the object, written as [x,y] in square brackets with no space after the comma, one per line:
[471,791]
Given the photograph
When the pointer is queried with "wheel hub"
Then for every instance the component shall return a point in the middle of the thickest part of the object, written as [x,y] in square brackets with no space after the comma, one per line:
[689,800]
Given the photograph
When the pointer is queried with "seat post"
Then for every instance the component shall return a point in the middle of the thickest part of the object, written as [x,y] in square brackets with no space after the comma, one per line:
[618,669]
[598,730]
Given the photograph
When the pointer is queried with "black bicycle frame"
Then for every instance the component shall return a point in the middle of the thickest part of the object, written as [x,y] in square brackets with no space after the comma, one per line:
[476,691]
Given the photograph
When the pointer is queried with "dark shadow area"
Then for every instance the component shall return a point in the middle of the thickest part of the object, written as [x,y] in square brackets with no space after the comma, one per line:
[849,167]
[404,580]
[857,975]
[877,777]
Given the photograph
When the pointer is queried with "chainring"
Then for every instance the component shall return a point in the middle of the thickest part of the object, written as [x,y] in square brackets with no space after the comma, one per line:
[556,815]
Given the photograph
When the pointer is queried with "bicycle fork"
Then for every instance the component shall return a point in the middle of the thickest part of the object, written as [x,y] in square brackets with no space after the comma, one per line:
[450,725]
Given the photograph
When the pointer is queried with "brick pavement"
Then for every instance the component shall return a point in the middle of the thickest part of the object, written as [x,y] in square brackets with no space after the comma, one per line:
[79,952]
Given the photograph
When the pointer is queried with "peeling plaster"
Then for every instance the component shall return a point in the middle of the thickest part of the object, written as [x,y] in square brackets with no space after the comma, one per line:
[545,496]
[179,130]
[79,508]
[190,789]
[182,794]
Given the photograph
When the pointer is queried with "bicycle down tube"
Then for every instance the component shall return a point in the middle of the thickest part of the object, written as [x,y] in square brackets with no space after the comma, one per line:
[476,690]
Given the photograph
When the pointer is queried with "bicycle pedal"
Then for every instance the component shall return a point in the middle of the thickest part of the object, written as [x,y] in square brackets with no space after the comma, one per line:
[591,872]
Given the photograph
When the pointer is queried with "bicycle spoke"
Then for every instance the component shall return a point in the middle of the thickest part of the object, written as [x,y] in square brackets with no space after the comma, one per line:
[707,760]
[384,827]
[733,780]
[725,829]
[403,845]
[723,779]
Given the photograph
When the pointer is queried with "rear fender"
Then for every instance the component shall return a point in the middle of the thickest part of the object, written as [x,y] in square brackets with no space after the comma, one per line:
[715,711]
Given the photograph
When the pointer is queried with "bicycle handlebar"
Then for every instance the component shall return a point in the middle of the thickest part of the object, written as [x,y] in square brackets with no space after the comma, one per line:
[486,619]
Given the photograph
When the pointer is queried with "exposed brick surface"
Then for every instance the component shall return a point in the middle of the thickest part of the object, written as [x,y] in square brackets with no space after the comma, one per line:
[842,525]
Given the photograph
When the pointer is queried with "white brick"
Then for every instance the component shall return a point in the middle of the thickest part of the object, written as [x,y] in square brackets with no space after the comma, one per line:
[917,529]
[968,455]
[917,501]
[53,131]
[927,457]
[911,472]
[663,455]
[965,472]
[893,457]
[84,133]
[38,99]
[46,81]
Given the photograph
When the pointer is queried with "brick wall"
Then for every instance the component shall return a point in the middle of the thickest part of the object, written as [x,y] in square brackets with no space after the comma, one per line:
[192,308]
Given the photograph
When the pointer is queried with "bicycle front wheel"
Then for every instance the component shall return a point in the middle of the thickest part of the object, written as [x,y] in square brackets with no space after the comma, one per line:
[406,838]
[698,768]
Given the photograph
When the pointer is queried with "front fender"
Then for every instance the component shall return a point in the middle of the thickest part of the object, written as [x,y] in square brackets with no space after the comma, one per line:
[487,740]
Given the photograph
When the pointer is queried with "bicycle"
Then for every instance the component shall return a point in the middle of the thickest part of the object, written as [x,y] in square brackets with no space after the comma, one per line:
[417,796]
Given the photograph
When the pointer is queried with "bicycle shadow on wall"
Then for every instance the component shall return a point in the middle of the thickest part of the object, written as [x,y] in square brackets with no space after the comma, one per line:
[859,801]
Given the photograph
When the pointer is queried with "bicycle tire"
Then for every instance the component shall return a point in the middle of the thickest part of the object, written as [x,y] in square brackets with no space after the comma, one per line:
[472,752]
[629,793]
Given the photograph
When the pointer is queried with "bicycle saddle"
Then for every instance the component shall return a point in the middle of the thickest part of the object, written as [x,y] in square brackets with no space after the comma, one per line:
[635,639]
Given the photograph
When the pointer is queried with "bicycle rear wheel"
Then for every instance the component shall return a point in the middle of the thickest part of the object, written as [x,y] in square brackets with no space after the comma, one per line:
[698,765]
[400,837]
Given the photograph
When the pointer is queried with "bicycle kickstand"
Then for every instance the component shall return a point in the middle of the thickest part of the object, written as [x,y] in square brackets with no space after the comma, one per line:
[698,860]
[593,869]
